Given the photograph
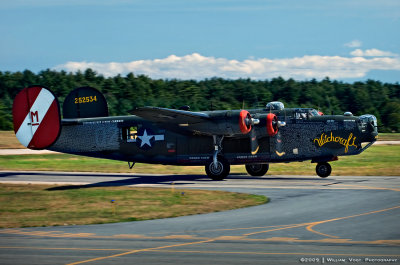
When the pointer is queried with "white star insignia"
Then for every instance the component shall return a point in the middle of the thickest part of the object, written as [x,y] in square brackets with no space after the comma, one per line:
[145,139]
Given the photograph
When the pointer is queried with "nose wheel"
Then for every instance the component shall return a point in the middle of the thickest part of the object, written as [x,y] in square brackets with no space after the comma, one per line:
[323,169]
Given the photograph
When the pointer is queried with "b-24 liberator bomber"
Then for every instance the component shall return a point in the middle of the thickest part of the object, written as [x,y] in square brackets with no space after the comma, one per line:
[215,139]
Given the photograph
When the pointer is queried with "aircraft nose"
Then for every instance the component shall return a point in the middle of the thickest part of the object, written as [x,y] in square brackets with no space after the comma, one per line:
[369,126]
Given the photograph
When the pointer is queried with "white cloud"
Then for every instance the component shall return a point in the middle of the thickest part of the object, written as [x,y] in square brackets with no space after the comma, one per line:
[196,66]
[354,44]
[372,53]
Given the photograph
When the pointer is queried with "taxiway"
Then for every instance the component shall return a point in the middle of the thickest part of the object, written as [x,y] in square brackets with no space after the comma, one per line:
[308,220]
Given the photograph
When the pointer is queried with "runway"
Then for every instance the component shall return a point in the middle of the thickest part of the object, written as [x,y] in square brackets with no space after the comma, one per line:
[341,219]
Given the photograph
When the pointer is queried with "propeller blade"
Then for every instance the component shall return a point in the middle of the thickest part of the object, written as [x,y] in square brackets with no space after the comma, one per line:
[254,142]
[279,150]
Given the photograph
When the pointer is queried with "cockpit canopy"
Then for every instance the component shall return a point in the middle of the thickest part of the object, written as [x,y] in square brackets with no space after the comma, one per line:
[275,105]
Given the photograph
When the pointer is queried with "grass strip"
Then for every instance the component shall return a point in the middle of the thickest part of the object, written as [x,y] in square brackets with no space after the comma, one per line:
[389,137]
[379,160]
[45,205]
[8,140]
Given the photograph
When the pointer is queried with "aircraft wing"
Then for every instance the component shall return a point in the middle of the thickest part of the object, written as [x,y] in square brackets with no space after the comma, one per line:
[171,116]
[227,123]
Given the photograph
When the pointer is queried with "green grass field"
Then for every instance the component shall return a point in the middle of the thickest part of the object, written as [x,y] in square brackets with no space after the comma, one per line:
[389,137]
[380,160]
[41,205]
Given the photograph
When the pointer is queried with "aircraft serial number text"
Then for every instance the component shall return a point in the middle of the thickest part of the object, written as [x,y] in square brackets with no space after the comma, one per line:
[89,99]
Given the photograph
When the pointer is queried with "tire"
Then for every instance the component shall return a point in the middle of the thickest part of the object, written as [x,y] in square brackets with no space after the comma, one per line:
[323,169]
[220,172]
[257,170]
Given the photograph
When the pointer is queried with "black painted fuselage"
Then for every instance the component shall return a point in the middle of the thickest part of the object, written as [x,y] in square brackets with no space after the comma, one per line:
[131,138]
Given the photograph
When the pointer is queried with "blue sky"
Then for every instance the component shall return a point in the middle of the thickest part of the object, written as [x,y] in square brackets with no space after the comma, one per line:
[347,40]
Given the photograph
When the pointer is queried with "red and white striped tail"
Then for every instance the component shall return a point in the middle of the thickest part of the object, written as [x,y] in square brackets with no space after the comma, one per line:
[36,115]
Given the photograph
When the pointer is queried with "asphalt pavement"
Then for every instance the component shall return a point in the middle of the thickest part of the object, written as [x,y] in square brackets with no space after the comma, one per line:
[341,219]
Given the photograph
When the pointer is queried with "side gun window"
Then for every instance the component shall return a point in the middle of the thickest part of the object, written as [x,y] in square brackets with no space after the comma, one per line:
[131,133]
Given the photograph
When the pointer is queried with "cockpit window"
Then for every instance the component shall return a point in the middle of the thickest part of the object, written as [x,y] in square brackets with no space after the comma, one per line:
[301,114]
[313,112]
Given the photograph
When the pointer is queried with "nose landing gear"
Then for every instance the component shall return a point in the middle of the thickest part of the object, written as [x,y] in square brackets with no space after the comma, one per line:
[323,169]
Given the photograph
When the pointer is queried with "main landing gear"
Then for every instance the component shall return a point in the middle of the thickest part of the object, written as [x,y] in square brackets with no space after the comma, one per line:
[257,170]
[323,169]
[221,169]
[218,170]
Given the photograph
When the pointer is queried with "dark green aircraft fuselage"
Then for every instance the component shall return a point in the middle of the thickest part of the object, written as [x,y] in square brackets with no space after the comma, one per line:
[130,138]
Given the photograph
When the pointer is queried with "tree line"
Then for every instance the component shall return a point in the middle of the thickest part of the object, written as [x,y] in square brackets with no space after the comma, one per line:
[125,93]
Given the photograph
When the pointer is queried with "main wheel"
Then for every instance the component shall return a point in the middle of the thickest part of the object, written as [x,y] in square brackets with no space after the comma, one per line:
[323,169]
[220,171]
[257,170]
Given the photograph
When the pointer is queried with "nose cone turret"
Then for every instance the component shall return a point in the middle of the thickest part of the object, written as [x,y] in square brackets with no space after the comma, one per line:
[369,127]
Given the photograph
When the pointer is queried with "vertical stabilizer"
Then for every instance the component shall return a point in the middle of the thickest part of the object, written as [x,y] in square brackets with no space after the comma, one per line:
[85,102]
[36,117]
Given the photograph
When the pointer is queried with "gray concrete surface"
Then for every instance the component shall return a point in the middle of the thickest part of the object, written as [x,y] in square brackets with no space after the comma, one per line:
[341,219]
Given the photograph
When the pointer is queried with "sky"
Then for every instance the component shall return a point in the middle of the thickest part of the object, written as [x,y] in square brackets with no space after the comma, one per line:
[346,40]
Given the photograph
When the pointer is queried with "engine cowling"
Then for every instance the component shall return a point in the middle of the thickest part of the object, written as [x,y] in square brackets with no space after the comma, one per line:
[244,121]
[272,124]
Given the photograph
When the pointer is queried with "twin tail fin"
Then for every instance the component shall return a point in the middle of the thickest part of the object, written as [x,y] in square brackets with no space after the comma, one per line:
[37,116]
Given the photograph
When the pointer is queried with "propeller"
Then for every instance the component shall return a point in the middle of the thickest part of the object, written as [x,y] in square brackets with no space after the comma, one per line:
[272,124]
[272,129]
[250,122]
[254,142]
[276,124]
[247,126]
[279,151]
